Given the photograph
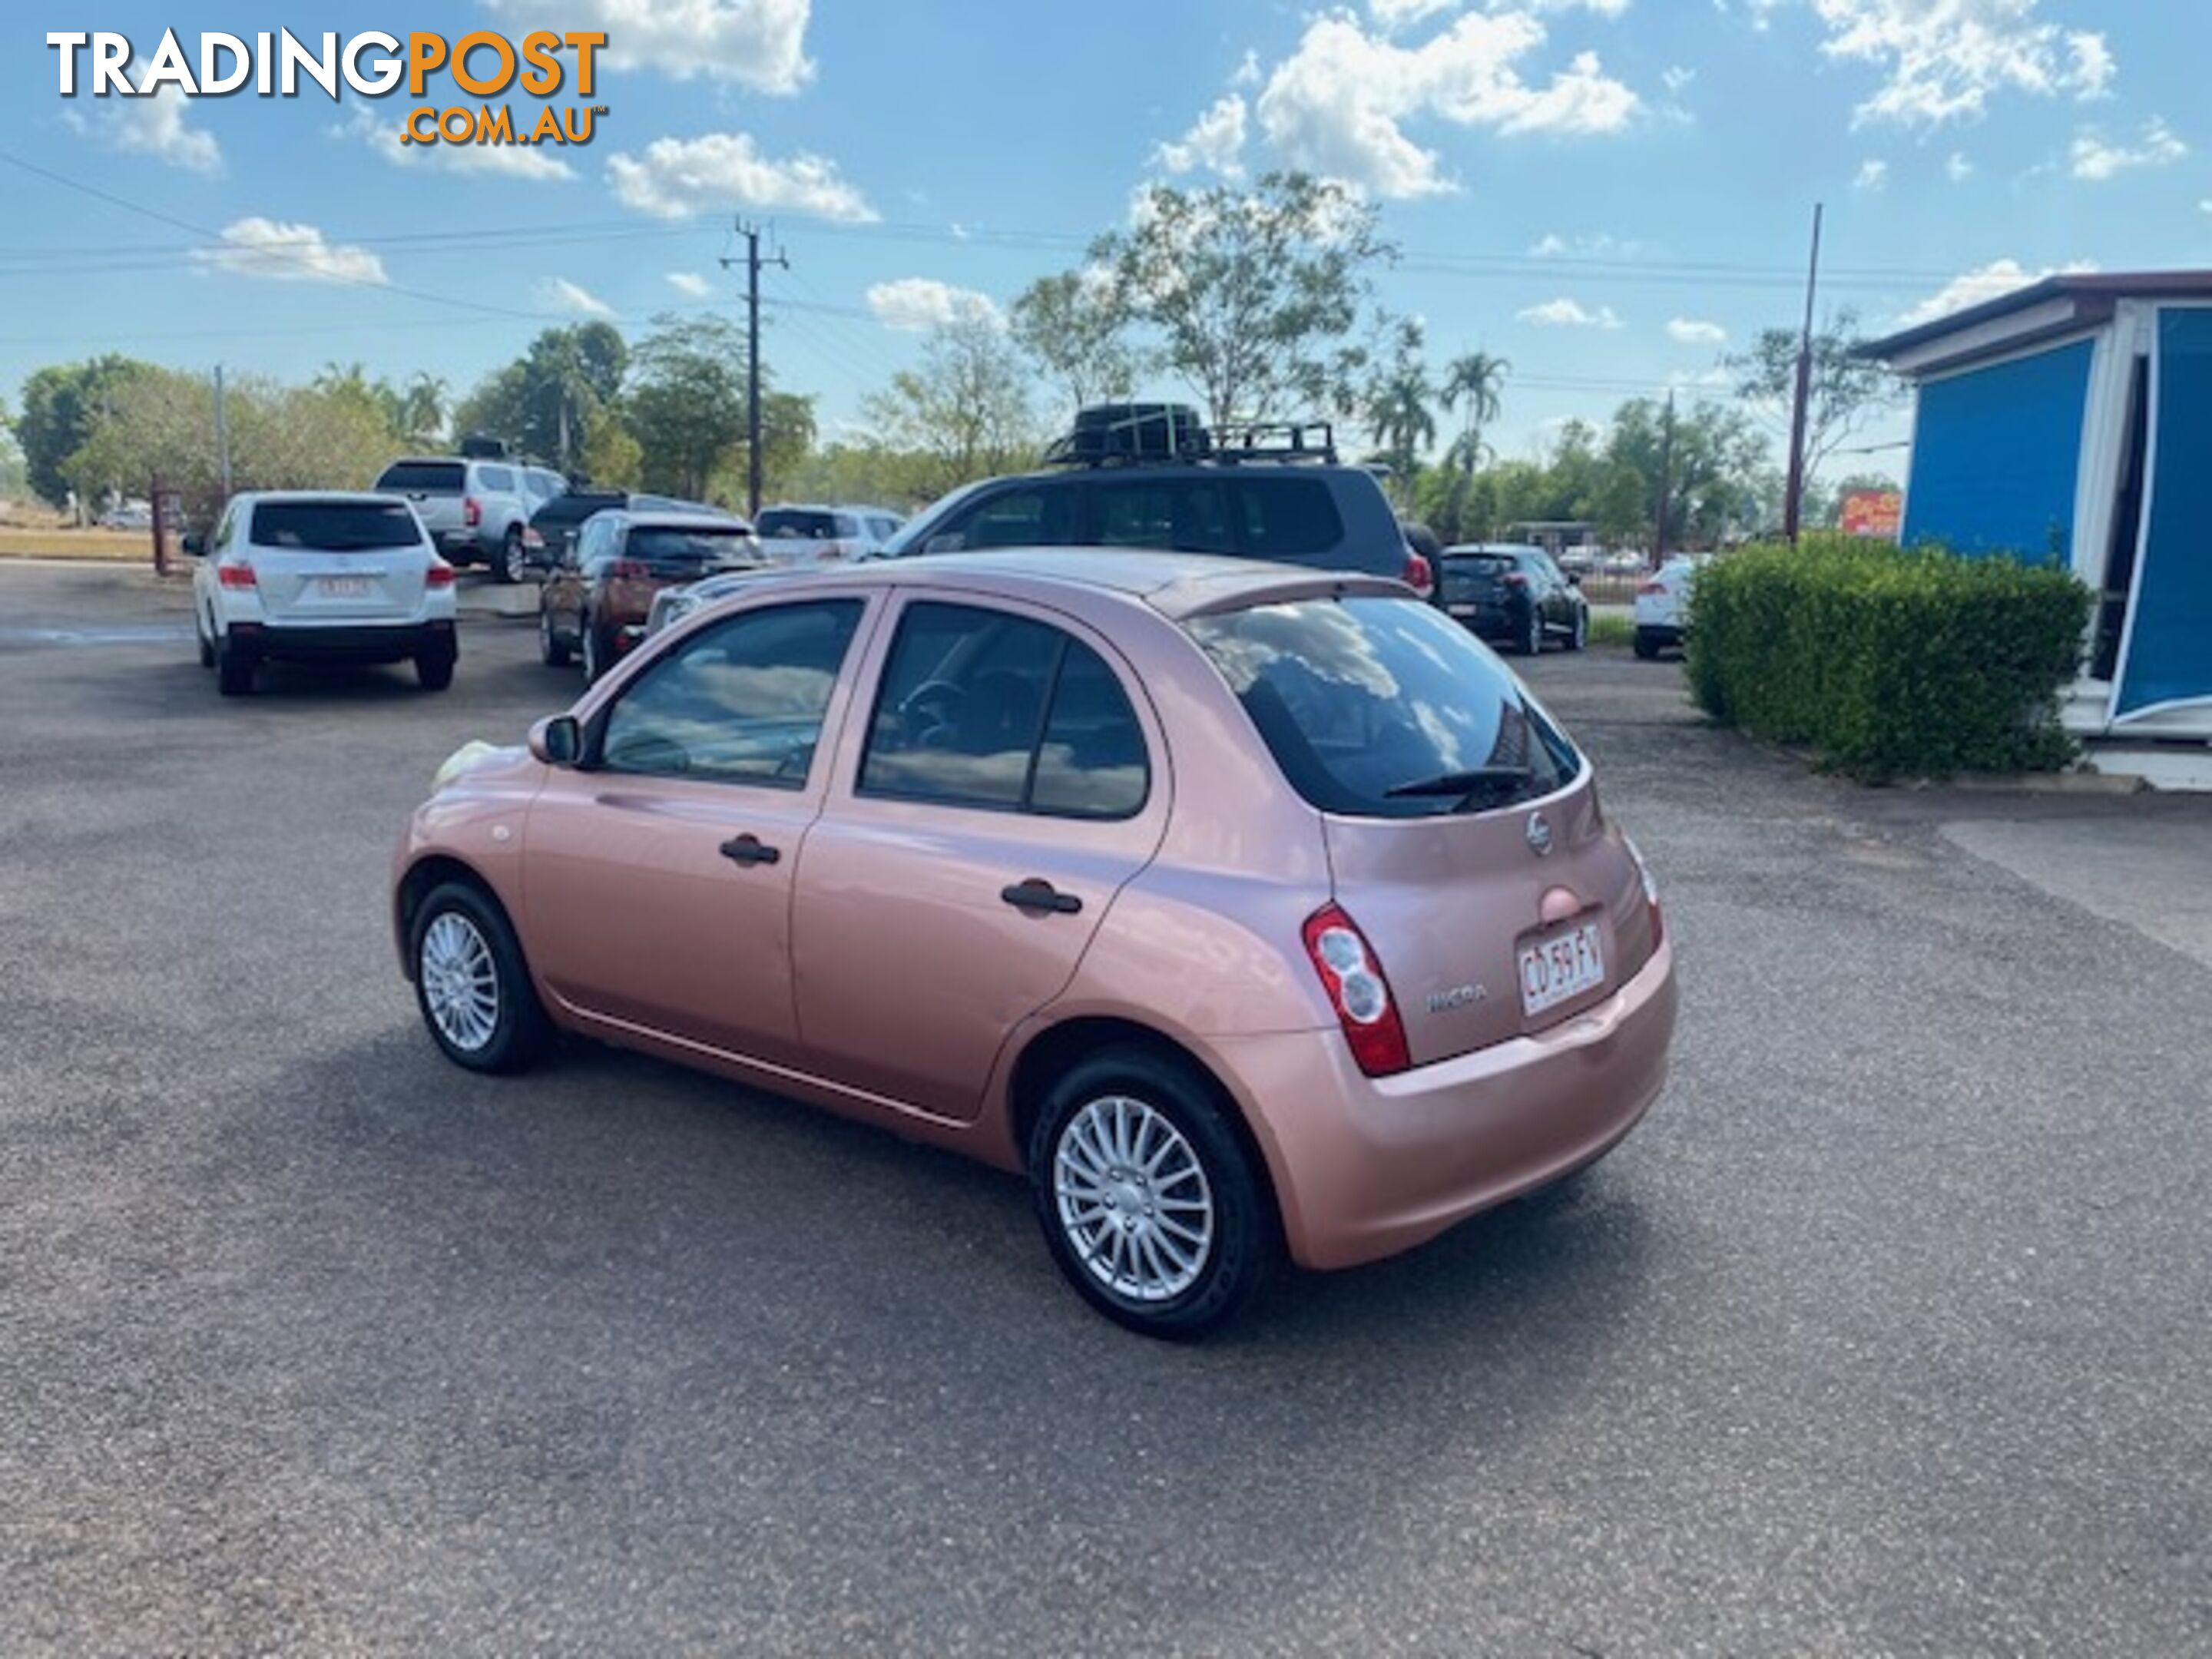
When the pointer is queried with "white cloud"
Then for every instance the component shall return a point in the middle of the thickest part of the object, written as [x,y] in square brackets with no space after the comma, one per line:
[1692,331]
[1215,140]
[1600,245]
[676,177]
[761,44]
[1943,58]
[1247,71]
[559,294]
[1336,105]
[1987,282]
[155,126]
[1958,169]
[292,254]
[1564,313]
[1872,175]
[1392,15]
[1701,380]
[690,283]
[2096,160]
[920,303]
[383,135]
[1676,79]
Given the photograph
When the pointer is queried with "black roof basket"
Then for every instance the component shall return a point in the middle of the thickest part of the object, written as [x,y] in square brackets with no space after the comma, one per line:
[1108,435]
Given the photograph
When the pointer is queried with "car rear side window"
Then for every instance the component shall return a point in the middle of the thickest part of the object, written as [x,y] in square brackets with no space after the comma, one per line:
[424,478]
[741,702]
[496,479]
[1384,708]
[1287,517]
[334,526]
[979,707]
[1186,515]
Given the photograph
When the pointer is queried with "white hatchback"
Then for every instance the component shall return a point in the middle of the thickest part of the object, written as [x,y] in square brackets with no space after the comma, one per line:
[1663,604]
[321,577]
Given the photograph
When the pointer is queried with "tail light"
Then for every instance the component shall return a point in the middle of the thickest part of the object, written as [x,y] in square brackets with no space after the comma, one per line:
[1356,990]
[1650,588]
[1514,579]
[236,575]
[440,574]
[1651,892]
[1419,576]
[472,511]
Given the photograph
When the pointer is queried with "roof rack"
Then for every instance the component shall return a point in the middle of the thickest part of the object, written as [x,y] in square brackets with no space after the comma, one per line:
[1121,435]
[1276,441]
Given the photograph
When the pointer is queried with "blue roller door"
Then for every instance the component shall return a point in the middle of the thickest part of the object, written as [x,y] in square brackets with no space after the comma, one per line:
[1996,457]
[2169,650]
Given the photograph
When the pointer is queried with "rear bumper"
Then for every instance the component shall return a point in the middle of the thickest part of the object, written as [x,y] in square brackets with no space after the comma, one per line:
[1488,622]
[351,642]
[1367,1167]
[466,546]
[1659,632]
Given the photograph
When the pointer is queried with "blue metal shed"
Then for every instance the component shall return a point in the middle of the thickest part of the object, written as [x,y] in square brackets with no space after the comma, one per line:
[2071,421]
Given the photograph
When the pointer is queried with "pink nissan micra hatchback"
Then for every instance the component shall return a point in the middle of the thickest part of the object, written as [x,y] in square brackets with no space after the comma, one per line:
[1247,909]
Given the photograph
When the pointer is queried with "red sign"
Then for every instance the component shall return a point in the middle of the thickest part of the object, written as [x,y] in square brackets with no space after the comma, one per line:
[1874,513]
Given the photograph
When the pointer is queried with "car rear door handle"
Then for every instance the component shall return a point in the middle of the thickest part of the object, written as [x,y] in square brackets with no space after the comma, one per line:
[749,849]
[1041,897]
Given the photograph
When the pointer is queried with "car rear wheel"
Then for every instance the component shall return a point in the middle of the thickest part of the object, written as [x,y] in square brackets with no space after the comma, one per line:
[434,669]
[508,567]
[551,647]
[470,984]
[1646,646]
[1151,1205]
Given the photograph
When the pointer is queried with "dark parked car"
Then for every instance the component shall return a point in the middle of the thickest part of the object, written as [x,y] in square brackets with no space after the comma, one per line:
[1148,475]
[1513,596]
[595,603]
[553,528]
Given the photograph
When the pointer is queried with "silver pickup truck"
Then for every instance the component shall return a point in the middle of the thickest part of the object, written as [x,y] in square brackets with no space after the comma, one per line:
[476,511]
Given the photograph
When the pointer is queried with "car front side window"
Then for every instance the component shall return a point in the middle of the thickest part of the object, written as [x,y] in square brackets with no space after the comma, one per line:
[742,702]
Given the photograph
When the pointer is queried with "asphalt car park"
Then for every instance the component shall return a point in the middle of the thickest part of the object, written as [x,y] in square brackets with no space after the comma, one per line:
[1886,1332]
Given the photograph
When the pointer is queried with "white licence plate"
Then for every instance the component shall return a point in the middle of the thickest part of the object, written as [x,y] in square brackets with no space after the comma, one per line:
[343,587]
[1559,966]
[1464,609]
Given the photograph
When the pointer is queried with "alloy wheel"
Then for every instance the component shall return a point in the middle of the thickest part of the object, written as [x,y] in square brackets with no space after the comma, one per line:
[460,981]
[1133,1200]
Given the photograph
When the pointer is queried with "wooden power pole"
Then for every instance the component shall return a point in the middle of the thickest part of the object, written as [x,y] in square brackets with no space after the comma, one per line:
[1793,500]
[753,262]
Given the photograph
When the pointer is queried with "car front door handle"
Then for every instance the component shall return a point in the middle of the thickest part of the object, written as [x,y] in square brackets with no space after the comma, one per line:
[749,849]
[1040,897]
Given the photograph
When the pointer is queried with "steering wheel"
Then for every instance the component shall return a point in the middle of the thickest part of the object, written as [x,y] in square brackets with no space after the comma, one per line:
[938,700]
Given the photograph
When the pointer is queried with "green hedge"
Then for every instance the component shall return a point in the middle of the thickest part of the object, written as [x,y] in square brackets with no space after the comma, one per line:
[1889,662]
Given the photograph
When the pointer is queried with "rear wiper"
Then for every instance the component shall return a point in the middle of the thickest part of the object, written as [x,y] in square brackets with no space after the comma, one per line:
[1470,785]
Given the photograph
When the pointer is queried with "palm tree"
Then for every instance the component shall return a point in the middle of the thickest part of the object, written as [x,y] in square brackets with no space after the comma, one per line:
[422,407]
[1398,405]
[1476,381]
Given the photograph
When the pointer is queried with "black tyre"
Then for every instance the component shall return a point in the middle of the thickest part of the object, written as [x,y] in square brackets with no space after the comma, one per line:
[434,669]
[1646,646]
[595,662]
[1532,634]
[207,644]
[507,566]
[471,983]
[1150,1202]
[233,670]
[1579,636]
[551,647]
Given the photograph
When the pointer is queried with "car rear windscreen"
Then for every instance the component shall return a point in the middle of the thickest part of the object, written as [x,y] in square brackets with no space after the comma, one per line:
[1463,575]
[689,547]
[444,477]
[334,526]
[798,526]
[1385,707]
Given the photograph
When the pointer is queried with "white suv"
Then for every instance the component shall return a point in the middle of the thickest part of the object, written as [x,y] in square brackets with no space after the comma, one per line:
[304,576]
[1663,604]
[802,534]
[478,511]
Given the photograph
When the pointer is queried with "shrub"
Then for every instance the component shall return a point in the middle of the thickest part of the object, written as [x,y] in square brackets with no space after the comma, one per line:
[1888,661]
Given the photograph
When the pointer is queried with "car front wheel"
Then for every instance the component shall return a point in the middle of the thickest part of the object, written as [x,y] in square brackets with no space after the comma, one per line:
[470,984]
[1580,636]
[1151,1205]
[594,660]
[1532,635]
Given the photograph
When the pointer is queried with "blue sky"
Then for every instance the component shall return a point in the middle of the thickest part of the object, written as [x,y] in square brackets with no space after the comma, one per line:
[1606,192]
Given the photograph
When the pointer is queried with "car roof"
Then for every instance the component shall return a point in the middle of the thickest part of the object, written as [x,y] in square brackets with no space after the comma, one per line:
[668,519]
[1177,586]
[380,497]
[1491,547]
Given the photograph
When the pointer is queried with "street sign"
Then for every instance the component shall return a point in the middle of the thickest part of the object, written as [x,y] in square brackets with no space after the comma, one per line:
[1874,513]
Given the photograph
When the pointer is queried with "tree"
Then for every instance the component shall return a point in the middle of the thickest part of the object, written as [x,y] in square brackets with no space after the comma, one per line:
[1848,390]
[1397,409]
[422,408]
[1711,467]
[1246,293]
[964,410]
[1474,388]
[687,404]
[60,404]
[1073,325]
[545,401]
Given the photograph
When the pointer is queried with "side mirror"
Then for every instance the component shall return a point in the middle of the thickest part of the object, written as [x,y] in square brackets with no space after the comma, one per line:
[556,740]
[195,545]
